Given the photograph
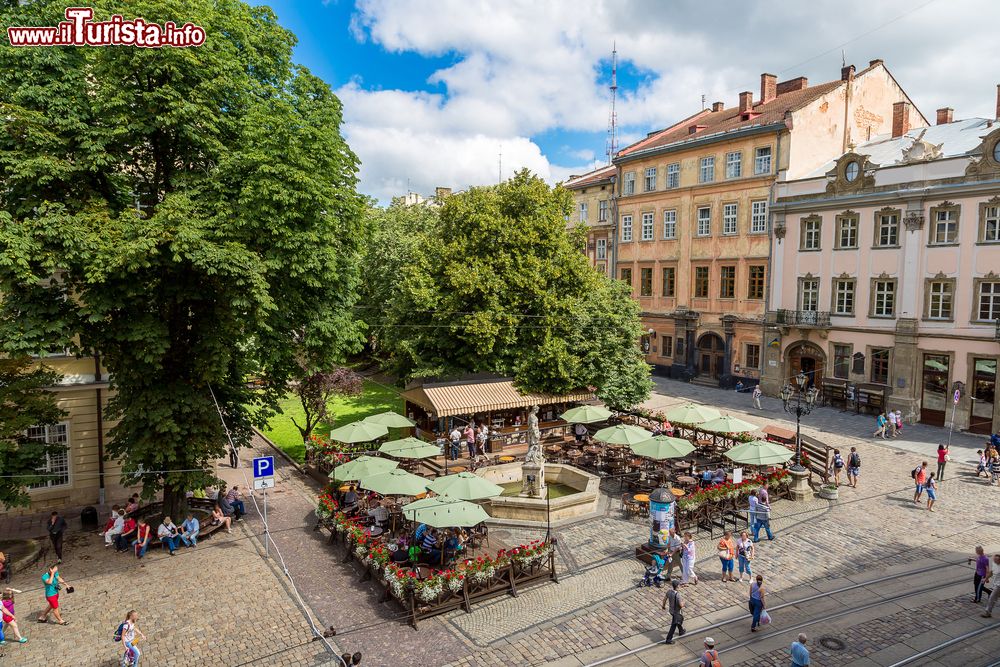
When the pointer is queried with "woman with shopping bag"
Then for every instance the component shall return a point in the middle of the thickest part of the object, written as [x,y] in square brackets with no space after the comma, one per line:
[757,604]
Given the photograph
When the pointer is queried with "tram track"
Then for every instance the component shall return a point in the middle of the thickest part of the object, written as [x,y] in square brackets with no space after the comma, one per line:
[950,643]
[854,609]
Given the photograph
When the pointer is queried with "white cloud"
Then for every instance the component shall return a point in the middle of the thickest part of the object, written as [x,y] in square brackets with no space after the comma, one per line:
[524,67]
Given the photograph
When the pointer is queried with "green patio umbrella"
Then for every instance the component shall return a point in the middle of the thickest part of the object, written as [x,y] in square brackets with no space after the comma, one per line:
[445,512]
[663,447]
[396,482]
[728,424]
[759,453]
[692,413]
[623,434]
[360,431]
[390,419]
[361,467]
[465,486]
[586,414]
[409,448]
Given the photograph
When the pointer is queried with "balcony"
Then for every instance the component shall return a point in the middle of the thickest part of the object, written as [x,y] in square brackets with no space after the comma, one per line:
[804,318]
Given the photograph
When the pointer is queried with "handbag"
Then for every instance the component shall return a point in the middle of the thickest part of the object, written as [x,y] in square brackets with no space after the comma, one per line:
[724,554]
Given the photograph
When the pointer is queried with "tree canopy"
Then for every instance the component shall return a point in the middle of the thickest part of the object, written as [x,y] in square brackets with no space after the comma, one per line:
[191,214]
[502,286]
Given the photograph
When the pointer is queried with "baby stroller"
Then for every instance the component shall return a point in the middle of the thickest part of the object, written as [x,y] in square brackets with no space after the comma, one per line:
[654,573]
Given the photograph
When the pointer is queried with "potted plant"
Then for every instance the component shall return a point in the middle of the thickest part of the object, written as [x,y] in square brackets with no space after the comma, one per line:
[829,492]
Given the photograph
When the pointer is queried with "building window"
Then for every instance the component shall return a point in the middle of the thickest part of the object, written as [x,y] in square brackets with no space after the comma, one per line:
[841,361]
[583,212]
[989,300]
[650,179]
[762,160]
[602,248]
[758,216]
[880,366]
[847,232]
[669,281]
[56,468]
[727,284]
[647,227]
[701,282]
[940,300]
[811,227]
[628,183]
[734,167]
[667,346]
[674,175]
[670,224]
[602,210]
[887,230]
[627,277]
[755,283]
[729,219]
[989,226]
[808,294]
[884,298]
[645,282]
[706,171]
[704,221]
[752,356]
[843,299]
[944,228]
[626,228]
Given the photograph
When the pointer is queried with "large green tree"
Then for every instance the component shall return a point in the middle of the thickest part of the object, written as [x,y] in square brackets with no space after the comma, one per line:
[502,286]
[190,214]
[25,402]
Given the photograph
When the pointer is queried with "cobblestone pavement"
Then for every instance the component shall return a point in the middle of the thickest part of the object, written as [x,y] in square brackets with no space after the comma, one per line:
[218,603]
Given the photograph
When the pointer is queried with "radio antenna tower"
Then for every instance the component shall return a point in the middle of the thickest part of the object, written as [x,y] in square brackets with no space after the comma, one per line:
[612,146]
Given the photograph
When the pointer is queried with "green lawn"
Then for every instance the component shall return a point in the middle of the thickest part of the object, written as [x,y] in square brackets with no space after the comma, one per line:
[374,399]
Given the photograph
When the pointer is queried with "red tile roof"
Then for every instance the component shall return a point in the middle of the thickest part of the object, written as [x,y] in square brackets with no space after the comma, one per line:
[591,177]
[717,122]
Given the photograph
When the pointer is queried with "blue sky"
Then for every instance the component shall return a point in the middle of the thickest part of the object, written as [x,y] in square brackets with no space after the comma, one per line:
[433,88]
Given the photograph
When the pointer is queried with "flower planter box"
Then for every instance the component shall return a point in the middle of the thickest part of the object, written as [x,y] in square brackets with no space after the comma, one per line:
[829,492]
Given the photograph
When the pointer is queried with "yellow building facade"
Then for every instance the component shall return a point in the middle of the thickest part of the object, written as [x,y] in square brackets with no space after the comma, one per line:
[593,200]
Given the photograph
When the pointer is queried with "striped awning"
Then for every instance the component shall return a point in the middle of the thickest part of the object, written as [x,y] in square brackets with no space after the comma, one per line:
[476,397]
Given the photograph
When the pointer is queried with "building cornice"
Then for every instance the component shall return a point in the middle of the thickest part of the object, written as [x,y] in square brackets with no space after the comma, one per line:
[890,195]
[699,141]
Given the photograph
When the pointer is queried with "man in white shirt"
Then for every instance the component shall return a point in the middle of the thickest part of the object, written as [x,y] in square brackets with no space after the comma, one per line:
[993,576]
[115,529]
[456,439]
[674,547]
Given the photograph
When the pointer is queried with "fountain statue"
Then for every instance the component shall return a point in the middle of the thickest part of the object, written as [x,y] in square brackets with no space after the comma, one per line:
[533,470]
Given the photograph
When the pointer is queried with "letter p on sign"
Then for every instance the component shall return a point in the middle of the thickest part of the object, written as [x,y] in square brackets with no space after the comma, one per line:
[263,466]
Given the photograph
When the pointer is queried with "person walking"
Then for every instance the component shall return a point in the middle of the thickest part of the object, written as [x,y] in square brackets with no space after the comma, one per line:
[756,602]
[673,598]
[745,553]
[57,526]
[890,426]
[674,548]
[800,654]
[919,475]
[456,443]
[982,570]
[727,552]
[763,516]
[992,576]
[757,393]
[688,556]
[53,582]
[880,426]
[931,487]
[898,417]
[709,657]
[853,467]
[7,616]
[129,631]
[470,441]
[836,466]
[943,458]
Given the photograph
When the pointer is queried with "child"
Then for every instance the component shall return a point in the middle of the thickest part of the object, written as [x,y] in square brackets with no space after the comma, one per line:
[7,616]
[653,573]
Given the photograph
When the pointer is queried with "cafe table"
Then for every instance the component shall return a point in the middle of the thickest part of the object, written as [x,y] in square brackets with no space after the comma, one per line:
[641,498]
[506,459]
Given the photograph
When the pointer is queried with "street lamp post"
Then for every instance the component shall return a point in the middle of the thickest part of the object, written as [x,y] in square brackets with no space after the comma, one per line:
[798,408]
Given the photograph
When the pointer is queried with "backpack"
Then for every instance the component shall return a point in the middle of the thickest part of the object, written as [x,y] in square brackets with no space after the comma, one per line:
[118,633]
[713,655]
[913,473]
[855,460]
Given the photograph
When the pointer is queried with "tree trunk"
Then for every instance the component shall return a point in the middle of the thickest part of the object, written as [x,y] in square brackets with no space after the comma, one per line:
[174,503]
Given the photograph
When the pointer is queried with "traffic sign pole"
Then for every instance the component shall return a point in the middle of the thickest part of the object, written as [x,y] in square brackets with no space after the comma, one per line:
[267,548]
[263,473]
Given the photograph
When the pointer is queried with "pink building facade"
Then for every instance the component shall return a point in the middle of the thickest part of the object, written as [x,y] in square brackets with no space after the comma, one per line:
[885,274]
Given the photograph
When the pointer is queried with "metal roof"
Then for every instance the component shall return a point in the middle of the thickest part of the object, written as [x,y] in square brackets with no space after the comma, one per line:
[476,397]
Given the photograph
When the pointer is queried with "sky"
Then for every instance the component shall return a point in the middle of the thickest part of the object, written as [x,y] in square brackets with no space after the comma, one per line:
[456,93]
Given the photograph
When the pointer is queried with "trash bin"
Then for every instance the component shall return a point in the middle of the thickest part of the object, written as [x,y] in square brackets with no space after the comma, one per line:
[88,517]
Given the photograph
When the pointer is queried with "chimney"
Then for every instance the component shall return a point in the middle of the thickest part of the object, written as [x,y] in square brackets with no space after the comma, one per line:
[944,115]
[900,119]
[718,106]
[847,73]
[872,63]
[798,83]
[696,128]
[746,101]
[768,87]
[441,193]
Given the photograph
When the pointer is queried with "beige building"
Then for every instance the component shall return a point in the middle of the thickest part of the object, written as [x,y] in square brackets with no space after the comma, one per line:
[693,200]
[593,207]
[885,273]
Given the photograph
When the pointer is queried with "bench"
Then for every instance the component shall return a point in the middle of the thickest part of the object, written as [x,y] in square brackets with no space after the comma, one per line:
[204,504]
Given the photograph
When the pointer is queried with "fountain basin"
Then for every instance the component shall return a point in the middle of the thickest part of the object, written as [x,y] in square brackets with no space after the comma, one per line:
[575,493]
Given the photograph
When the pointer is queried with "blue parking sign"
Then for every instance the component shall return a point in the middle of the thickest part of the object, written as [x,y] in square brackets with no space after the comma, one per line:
[263,466]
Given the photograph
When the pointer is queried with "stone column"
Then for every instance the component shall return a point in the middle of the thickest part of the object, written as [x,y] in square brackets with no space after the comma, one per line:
[800,488]
[906,365]
[727,358]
